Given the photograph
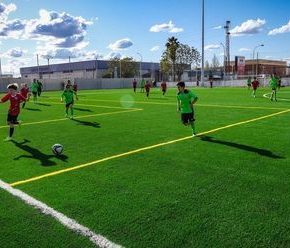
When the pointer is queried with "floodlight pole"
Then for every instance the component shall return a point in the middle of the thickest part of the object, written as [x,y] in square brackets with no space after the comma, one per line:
[140,68]
[261,45]
[202,48]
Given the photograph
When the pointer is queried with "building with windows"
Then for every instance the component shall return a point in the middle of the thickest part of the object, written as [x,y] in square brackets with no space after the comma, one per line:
[90,69]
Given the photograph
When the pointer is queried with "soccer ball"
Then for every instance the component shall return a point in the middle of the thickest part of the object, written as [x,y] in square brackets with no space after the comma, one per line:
[57,149]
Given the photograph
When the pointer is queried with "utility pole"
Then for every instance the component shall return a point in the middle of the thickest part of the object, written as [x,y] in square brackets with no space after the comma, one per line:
[227,32]
[202,46]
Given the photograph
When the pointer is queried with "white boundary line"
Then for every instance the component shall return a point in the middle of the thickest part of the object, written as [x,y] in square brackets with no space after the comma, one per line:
[283,99]
[71,224]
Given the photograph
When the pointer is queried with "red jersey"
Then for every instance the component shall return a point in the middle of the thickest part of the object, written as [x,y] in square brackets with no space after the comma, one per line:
[75,87]
[147,86]
[255,84]
[24,92]
[163,86]
[134,84]
[14,102]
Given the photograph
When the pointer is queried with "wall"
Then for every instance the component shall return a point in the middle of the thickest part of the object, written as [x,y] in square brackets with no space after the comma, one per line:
[116,83]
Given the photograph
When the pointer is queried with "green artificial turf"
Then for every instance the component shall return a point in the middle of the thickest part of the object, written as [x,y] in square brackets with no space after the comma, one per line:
[226,188]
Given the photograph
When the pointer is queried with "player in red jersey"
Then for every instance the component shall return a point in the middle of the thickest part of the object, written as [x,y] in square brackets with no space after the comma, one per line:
[163,87]
[147,88]
[14,109]
[75,89]
[24,91]
[255,85]
[134,83]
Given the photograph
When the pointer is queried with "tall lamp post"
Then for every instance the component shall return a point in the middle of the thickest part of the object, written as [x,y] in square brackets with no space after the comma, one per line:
[225,57]
[253,71]
[140,68]
[202,45]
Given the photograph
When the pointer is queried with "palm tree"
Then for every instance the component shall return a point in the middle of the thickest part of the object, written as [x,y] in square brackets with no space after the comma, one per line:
[172,45]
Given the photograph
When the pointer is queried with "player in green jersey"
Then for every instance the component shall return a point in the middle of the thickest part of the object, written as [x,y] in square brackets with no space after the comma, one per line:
[68,96]
[185,101]
[274,84]
[34,90]
[249,82]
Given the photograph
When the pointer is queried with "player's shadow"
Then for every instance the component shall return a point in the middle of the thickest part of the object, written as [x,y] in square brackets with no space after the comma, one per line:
[88,123]
[43,104]
[32,109]
[83,110]
[262,152]
[36,154]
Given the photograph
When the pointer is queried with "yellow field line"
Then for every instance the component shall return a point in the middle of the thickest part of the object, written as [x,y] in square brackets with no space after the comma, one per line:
[141,149]
[78,117]
[198,104]
[88,105]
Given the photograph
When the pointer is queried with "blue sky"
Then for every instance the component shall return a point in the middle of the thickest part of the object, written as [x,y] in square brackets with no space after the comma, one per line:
[105,28]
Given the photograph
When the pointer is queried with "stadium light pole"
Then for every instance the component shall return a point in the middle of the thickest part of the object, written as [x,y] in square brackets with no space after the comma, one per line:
[120,68]
[140,67]
[224,67]
[261,45]
[202,47]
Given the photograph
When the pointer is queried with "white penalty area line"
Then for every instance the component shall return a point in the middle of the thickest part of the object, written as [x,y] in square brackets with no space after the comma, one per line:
[71,224]
[141,150]
[280,99]
[77,117]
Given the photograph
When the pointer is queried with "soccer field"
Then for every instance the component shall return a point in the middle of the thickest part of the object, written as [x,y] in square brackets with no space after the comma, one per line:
[131,172]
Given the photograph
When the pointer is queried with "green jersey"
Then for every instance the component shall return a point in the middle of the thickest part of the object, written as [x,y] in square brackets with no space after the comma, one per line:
[274,82]
[142,83]
[185,98]
[68,96]
[34,87]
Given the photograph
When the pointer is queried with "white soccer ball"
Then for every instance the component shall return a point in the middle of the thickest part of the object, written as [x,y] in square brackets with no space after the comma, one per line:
[57,149]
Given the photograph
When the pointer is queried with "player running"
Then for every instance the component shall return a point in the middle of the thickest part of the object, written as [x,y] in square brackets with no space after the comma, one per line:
[134,83]
[75,89]
[185,101]
[163,87]
[249,81]
[68,96]
[34,90]
[24,91]
[15,99]
[274,84]
[255,85]
[147,88]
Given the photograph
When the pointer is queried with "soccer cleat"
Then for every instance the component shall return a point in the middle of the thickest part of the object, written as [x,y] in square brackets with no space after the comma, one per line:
[193,134]
[8,138]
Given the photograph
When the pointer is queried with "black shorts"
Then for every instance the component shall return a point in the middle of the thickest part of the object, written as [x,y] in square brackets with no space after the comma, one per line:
[187,118]
[12,118]
[163,90]
[68,104]
[34,93]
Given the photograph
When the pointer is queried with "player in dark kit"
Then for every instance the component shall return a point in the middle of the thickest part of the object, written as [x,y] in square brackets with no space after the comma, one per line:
[163,87]
[75,89]
[255,85]
[14,109]
[147,88]
[134,83]
[185,101]
[24,91]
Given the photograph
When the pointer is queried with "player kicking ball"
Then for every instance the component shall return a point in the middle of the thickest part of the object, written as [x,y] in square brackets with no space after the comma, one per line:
[68,96]
[14,109]
[185,101]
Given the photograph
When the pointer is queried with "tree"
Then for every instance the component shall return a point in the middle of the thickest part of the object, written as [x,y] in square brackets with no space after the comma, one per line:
[215,64]
[171,47]
[165,66]
[206,65]
[126,67]
[185,57]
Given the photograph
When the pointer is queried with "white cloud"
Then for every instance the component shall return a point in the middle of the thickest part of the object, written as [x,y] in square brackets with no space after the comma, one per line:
[212,46]
[154,49]
[166,27]
[281,30]
[248,27]
[59,29]
[121,44]
[218,27]
[243,49]
[112,55]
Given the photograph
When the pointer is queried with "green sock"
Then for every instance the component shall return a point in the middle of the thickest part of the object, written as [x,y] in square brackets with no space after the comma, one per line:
[192,127]
[66,111]
[72,111]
